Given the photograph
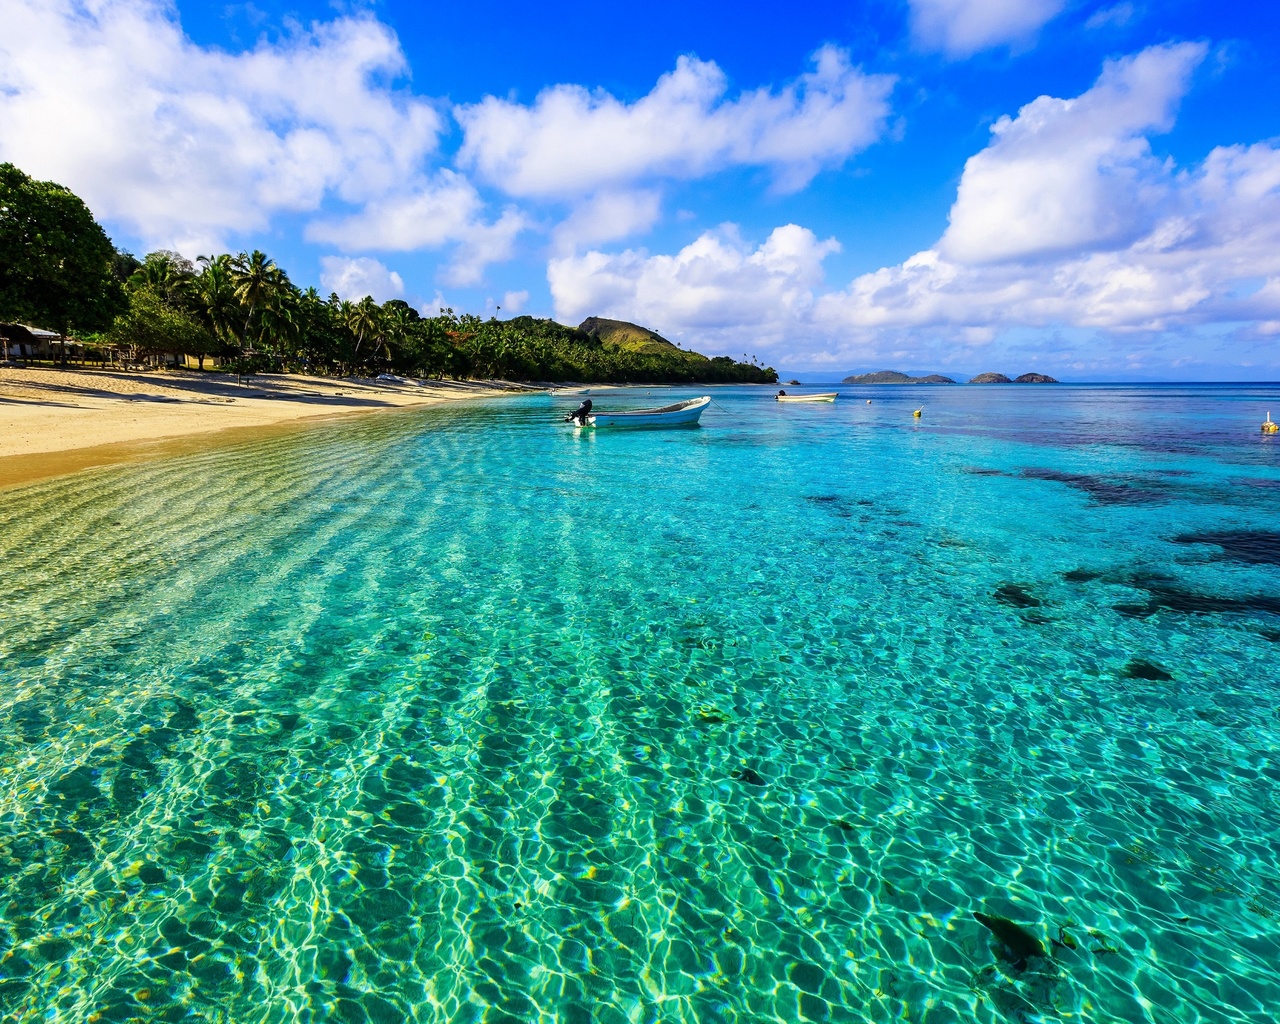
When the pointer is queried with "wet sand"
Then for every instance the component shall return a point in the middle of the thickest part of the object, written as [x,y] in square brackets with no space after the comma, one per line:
[54,422]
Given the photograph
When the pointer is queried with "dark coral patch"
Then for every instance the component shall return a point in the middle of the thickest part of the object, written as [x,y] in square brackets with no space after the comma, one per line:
[1165,594]
[749,776]
[1016,595]
[1140,668]
[1252,547]
[1081,575]
[1104,490]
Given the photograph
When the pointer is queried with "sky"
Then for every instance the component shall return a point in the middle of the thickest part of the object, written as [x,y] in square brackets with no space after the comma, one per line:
[1086,189]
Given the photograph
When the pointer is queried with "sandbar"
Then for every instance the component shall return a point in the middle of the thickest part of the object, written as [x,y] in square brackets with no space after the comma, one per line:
[58,421]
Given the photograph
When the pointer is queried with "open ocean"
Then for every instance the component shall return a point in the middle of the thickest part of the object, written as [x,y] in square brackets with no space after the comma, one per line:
[458,715]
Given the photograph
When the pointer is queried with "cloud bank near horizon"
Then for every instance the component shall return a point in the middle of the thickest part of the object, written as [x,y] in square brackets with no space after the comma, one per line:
[1065,221]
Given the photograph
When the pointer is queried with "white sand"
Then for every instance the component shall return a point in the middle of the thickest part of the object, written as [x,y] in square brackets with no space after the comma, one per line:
[58,421]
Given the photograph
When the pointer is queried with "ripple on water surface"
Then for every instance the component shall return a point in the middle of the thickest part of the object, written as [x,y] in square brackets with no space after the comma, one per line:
[811,714]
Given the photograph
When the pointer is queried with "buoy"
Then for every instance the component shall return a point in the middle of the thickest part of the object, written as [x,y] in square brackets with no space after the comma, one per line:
[917,413]
[1269,427]
[868,401]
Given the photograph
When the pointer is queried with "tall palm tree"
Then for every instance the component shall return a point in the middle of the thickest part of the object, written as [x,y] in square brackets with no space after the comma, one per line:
[167,274]
[364,320]
[215,293]
[257,281]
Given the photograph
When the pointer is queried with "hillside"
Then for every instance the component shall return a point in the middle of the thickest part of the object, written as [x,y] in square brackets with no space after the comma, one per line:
[626,337]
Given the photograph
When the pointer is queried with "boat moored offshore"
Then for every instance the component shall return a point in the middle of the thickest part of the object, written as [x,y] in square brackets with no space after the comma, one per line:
[681,414]
[825,396]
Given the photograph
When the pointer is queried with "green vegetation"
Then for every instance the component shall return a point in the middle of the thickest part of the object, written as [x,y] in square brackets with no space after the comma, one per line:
[56,262]
[58,269]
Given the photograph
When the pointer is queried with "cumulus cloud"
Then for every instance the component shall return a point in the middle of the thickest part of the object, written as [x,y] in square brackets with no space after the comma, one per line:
[1064,222]
[183,143]
[514,302]
[1066,218]
[356,278]
[572,142]
[1071,174]
[443,209]
[960,28]
[607,217]
[710,288]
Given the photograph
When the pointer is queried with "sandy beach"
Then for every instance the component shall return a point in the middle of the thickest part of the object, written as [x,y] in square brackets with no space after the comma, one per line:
[56,421]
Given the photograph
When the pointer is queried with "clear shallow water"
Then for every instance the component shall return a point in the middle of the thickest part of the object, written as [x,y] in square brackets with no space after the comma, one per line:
[462,716]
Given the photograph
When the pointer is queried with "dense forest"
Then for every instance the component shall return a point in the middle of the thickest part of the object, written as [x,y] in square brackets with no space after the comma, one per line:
[59,271]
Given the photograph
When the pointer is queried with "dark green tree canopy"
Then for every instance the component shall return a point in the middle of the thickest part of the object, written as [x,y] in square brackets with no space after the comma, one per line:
[56,262]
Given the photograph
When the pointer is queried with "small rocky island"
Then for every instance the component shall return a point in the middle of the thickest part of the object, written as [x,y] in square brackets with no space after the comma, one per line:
[898,377]
[1000,378]
[895,377]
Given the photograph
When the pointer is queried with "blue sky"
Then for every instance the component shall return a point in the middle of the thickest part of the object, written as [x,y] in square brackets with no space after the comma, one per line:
[1089,189]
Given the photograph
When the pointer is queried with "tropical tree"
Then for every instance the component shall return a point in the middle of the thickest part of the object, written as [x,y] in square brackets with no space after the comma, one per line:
[364,321]
[55,259]
[217,306]
[257,282]
[152,325]
[168,274]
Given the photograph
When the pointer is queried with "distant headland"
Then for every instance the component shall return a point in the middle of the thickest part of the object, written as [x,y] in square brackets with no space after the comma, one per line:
[898,377]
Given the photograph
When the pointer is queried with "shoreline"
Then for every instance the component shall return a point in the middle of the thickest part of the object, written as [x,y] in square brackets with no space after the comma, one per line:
[54,421]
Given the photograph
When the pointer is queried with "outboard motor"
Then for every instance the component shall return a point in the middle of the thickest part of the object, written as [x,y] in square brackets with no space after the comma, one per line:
[580,414]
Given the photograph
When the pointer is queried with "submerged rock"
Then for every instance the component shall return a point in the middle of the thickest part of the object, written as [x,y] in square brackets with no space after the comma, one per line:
[1106,490]
[1252,547]
[1017,943]
[749,776]
[1164,593]
[1140,668]
[1016,595]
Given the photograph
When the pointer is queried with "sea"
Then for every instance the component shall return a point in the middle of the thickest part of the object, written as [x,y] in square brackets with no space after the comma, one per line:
[816,712]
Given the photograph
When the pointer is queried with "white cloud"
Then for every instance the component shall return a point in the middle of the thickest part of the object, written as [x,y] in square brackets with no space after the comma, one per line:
[607,217]
[1064,223]
[182,143]
[514,302]
[1066,219]
[442,210]
[1069,174]
[573,142]
[1119,16]
[710,290]
[960,28]
[355,278]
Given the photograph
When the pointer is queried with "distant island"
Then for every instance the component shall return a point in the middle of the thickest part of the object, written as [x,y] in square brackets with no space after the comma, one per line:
[898,377]
[1000,378]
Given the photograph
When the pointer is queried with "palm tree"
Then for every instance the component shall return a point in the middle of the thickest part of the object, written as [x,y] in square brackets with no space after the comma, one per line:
[364,320]
[216,295]
[167,274]
[257,281]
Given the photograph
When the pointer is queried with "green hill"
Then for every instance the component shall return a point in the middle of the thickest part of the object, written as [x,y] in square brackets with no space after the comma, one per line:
[624,336]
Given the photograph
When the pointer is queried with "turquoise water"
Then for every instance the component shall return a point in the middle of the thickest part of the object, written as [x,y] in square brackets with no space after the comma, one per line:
[460,715]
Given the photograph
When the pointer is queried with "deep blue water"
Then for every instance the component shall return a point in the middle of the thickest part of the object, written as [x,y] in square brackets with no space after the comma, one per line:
[462,715]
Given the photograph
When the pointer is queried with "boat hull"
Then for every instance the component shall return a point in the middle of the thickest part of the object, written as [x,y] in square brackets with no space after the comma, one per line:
[682,414]
[829,396]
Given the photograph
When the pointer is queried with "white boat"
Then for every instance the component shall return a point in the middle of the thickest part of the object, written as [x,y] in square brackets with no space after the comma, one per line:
[678,415]
[826,396]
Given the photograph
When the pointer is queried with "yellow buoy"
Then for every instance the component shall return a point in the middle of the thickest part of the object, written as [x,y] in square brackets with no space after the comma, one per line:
[1269,427]
[917,413]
